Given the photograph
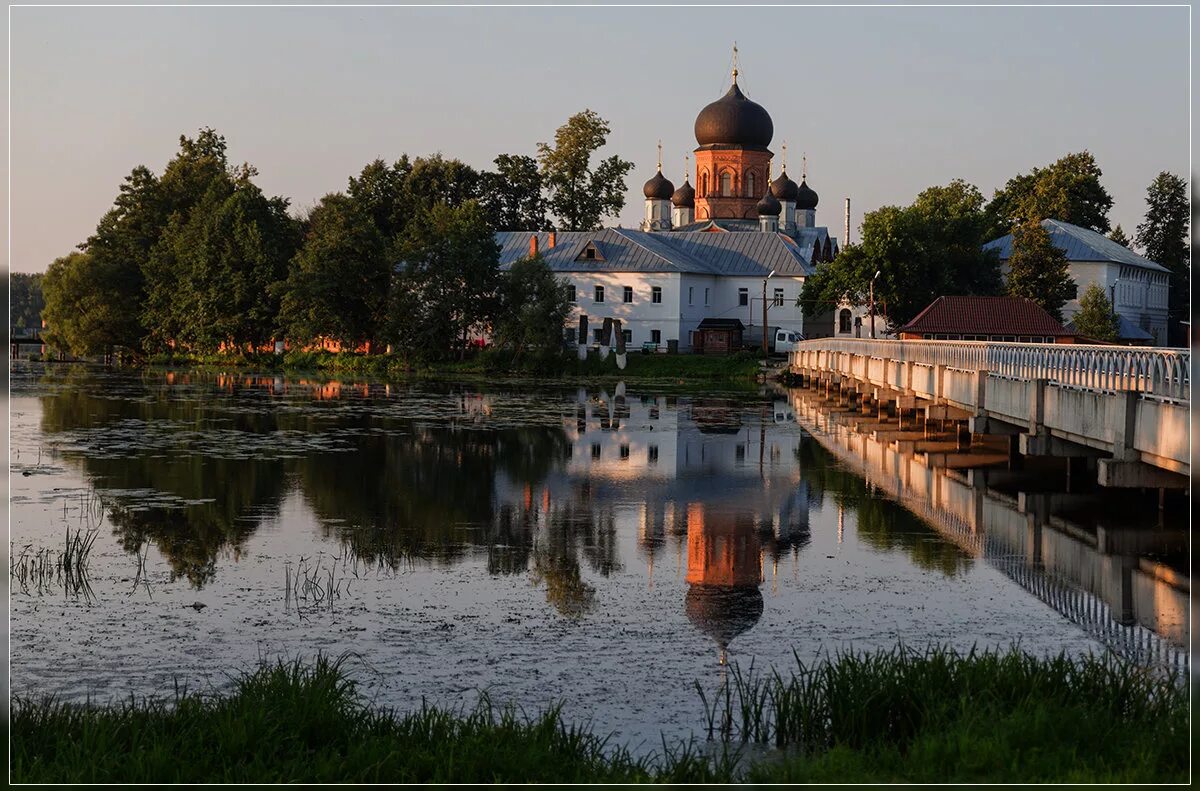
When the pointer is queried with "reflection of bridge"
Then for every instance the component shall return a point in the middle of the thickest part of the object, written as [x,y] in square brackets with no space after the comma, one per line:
[24,336]
[1124,409]
[1100,580]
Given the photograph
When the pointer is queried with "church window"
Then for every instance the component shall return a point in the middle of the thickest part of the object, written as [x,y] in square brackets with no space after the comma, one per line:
[844,321]
[751,186]
[726,184]
[656,295]
[704,185]
[743,296]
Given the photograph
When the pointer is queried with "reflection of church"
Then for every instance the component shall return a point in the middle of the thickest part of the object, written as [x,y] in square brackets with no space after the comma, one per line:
[724,572]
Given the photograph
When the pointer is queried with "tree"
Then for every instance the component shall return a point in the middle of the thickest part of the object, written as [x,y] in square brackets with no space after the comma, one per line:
[83,306]
[26,301]
[1067,190]
[922,251]
[337,285]
[512,195]
[446,286]
[433,180]
[1118,235]
[1164,237]
[1038,269]
[532,307]
[580,196]
[1095,318]
[379,190]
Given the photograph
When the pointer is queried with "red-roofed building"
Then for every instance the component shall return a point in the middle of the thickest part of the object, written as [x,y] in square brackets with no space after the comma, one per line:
[1012,319]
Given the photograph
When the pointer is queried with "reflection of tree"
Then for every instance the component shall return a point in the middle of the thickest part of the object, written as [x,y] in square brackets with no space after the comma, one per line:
[882,522]
[556,562]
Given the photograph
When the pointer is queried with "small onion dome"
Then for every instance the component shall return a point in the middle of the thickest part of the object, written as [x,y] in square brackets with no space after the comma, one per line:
[658,188]
[805,197]
[783,188]
[685,196]
[768,206]
[734,120]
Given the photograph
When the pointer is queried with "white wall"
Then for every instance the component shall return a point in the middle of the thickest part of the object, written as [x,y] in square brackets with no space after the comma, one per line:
[1141,294]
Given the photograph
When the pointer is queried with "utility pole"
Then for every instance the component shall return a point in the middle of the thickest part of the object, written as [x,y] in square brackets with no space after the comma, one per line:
[764,330]
[872,303]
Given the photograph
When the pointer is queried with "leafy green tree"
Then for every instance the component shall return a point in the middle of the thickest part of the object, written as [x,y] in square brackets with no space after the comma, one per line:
[581,196]
[1118,235]
[1037,269]
[226,259]
[1095,318]
[922,251]
[379,190]
[532,308]
[1164,237]
[446,288]
[433,180]
[1067,190]
[25,300]
[512,195]
[337,285]
[83,310]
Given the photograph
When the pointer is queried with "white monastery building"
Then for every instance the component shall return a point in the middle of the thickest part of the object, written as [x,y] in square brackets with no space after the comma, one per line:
[703,252]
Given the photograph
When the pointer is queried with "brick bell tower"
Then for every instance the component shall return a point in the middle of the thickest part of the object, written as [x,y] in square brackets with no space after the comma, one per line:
[732,159]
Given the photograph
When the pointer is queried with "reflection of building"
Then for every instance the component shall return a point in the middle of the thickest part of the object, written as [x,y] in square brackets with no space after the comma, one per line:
[724,572]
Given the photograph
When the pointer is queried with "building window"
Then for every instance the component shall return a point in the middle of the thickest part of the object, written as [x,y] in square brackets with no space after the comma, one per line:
[740,452]
[750,186]
[743,296]
[704,185]
[705,296]
[656,295]
[627,296]
[597,335]
[590,254]
[656,337]
[779,297]
[624,452]
[691,292]
[627,335]
[595,450]
[598,294]
[570,335]
[844,320]
[571,292]
[652,454]
[726,184]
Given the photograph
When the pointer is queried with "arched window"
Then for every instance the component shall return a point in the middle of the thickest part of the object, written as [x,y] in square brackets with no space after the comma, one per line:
[726,184]
[827,254]
[844,321]
[704,185]
[751,186]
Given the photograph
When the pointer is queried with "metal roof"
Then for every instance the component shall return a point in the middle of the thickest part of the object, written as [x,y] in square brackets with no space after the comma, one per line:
[699,252]
[985,316]
[1080,244]
[1126,330]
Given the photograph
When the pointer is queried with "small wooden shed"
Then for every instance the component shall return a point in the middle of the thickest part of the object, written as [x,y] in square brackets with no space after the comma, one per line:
[717,336]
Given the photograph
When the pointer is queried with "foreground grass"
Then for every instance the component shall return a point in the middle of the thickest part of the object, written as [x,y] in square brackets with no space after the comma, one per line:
[890,716]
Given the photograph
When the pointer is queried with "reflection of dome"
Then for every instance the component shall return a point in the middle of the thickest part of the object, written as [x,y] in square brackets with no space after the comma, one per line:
[658,188]
[722,612]
[734,120]
[685,196]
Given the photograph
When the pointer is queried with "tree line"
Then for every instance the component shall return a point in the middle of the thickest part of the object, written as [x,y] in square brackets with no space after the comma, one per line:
[934,246]
[199,259]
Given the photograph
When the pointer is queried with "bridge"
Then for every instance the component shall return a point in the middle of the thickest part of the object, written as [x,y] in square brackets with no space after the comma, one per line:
[1121,410]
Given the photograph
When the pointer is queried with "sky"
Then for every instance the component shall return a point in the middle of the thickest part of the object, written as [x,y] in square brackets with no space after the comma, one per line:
[884,101]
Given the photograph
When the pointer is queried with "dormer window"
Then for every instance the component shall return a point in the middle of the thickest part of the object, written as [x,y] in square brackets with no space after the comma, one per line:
[590,252]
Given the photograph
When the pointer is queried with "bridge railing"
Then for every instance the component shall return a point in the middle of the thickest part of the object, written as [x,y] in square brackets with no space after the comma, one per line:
[1160,372]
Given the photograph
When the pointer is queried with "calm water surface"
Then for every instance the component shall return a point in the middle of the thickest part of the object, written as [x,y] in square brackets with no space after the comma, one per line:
[602,547]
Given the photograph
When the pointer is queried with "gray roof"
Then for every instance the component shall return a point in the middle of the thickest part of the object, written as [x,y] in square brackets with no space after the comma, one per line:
[1126,330]
[1080,244]
[698,252]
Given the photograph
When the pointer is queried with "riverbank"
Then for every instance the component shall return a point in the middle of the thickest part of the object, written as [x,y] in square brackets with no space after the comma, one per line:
[890,716]
[743,367]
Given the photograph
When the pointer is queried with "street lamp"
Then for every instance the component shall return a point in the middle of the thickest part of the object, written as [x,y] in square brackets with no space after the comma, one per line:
[764,340]
[1112,296]
[878,272]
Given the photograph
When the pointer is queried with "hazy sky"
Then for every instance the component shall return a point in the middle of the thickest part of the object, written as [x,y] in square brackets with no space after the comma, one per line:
[885,101]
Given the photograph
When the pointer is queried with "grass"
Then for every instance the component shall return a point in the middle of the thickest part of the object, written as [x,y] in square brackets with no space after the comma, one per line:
[891,716]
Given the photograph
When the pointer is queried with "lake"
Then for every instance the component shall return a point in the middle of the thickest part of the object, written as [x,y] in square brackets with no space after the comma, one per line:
[606,546]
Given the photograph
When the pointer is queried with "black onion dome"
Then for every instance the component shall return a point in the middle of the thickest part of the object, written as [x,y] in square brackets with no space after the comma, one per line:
[658,188]
[784,188]
[768,206]
[805,197]
[734,120]
[685,196]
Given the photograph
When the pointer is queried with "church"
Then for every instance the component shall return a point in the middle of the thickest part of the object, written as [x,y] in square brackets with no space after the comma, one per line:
[714,254]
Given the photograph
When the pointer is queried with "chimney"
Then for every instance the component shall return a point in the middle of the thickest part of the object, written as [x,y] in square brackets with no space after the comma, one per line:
[846,233]
[533,245]
[552,241]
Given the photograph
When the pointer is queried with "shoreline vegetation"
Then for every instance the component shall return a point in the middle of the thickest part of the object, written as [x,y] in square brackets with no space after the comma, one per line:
[899,715]
[743,367]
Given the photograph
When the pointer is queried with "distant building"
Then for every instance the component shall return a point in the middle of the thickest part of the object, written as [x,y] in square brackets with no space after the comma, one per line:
[1135,285]
[702,252]
[1006,319]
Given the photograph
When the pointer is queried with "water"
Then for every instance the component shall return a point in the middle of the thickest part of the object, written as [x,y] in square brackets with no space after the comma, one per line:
[603,547]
